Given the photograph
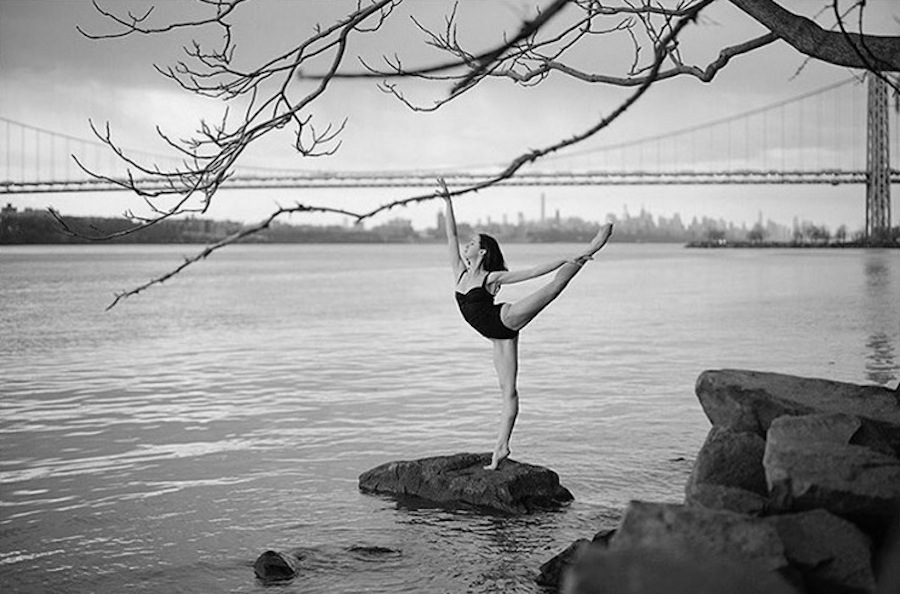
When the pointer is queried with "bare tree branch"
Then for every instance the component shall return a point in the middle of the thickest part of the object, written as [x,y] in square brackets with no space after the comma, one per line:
[661,52]
[233,238]
[276,94]
[210,155]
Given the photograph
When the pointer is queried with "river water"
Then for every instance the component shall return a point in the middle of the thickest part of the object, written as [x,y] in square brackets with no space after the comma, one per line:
[163,445]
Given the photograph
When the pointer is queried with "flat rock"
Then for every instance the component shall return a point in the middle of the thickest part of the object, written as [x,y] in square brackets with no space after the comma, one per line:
[745,400]
[731,459]
[460,479]
[704,532]
[835,428]
[832,554]
[848,480]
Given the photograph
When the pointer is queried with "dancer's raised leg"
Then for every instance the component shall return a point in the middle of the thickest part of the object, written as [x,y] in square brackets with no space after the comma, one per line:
[599,240]
[506,362]
[517,315]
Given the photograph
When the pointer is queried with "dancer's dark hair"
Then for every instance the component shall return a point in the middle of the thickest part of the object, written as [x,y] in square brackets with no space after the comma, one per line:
[493,257]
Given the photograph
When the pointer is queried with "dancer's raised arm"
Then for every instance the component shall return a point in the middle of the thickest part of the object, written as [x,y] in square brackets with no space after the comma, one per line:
[452,238]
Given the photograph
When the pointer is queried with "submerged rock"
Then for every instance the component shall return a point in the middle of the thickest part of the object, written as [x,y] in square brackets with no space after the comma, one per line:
[750,400]
[460,479]
[373,551]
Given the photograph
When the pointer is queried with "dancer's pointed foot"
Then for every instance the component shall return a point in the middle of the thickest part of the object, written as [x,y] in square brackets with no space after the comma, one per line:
[599,241]
[499,456]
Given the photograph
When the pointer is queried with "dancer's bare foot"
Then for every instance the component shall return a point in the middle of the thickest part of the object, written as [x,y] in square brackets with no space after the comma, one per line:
[499,456]
[598,242]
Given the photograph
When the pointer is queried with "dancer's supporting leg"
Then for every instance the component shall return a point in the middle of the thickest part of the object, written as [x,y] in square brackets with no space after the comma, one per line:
[506,362]
[517,315]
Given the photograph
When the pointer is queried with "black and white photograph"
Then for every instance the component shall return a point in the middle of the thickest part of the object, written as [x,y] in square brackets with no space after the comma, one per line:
[436,296]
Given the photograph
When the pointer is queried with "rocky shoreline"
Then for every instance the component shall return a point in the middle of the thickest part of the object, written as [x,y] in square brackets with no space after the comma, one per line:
[796,490]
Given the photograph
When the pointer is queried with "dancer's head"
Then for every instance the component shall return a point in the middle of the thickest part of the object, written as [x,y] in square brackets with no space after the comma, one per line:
[493,258]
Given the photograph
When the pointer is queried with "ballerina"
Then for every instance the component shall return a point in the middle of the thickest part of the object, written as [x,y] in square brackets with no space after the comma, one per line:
[479,272]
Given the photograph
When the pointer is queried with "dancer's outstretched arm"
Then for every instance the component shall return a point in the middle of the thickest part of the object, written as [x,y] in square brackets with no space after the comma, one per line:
[456,262]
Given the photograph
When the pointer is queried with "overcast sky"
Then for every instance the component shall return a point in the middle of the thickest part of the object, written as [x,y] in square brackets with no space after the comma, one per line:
[54,78]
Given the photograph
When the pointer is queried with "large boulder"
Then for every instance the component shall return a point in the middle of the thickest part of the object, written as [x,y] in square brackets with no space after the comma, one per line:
[731,458]
[728,473]
[721,497]
[832,554]
[703,532]
[809,466]
[647,570]
[750,400]
[461,479]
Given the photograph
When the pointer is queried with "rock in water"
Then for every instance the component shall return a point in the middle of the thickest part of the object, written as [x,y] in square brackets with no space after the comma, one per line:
[551,573]
[460,479]
[750,400]
[273,566]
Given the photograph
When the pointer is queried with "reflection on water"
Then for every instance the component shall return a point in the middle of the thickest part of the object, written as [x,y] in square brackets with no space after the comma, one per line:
[164,445]
[881,300]
[881,365]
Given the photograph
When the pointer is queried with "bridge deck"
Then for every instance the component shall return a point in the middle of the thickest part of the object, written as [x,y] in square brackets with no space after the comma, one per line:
[423,180]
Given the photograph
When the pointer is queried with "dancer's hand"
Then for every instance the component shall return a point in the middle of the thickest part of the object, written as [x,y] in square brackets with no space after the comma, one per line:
[443,192]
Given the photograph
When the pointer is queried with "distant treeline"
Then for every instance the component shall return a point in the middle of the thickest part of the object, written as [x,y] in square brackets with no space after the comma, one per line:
[39,227]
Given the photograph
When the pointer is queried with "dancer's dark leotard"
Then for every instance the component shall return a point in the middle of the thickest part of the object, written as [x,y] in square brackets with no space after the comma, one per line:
[478,308]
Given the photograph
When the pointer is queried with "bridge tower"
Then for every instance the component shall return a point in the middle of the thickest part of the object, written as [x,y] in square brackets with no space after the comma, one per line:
[878,181]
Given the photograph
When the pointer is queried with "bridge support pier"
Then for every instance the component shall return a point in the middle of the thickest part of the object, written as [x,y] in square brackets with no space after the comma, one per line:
[878,180]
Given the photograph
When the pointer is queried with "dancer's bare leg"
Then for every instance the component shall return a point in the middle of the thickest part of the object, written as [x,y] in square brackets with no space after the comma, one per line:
[506,362]
[517,315]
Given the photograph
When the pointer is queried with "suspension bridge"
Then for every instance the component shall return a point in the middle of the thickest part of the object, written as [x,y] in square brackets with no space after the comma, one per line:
[838,134]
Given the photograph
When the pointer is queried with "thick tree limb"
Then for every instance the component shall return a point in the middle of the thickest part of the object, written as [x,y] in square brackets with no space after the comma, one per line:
[834,47]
